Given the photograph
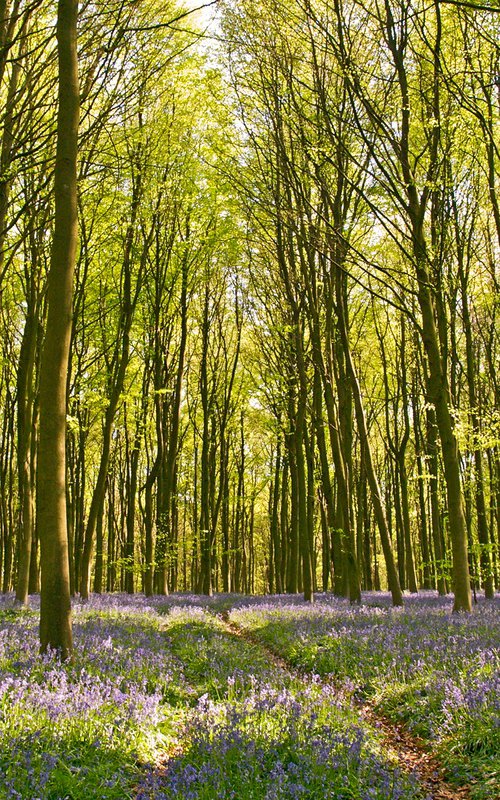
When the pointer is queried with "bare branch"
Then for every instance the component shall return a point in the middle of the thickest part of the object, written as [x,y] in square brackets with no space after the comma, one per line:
[171,22]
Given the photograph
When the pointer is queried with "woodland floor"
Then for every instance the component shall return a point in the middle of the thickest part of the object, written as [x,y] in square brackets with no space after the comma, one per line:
[243,698]
[409,751]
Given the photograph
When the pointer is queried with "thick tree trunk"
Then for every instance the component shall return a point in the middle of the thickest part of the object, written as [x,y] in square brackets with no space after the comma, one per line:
[55,605]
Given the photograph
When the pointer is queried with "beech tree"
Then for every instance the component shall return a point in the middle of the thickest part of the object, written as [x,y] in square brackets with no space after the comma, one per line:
[282,365]
[55,607]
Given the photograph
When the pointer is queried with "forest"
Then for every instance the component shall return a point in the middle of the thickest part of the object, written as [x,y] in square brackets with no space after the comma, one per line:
[249,394]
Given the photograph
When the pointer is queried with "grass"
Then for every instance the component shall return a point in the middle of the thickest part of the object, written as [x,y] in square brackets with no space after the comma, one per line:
[434,671]
[164,677]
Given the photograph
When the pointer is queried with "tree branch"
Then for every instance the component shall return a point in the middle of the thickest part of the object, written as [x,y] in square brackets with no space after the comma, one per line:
[474,6]
[171,22]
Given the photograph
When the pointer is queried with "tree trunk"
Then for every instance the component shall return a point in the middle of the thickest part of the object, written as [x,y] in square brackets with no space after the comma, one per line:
[55,603]
[392,575]
[300,434]
[132,470]
[274,522]
[120,361]
[25,423]
[437,538]
[170,451]
[472,372]
[99,554]
[284,524]
[427,582]
[438,395]
[292,577]
[401,462]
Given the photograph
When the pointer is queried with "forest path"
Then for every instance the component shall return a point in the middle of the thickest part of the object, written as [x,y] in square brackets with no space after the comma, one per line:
[409,751]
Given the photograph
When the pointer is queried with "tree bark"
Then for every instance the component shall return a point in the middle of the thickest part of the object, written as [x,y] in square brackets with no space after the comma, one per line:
[472,372]
[438,395]
[376,495]
[120,361]
[55,604]
[25,434]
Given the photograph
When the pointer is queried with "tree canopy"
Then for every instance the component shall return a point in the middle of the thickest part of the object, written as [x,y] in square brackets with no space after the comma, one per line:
[283,345]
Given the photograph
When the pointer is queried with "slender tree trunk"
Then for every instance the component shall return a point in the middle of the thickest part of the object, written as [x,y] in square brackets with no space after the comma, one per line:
[25,421]
[437,539]
[326,482]
[111,548]
[206,394]
[55,604]
[9,120]
[369,585]
[170,452]
[364,565]
[99,554]
[494,527]
[376,495]
[132,479]
[148,534]
[225,518]
[438,396]
[341,533]
[6,487]
[284,523]
[427,582]
[472,372]
[300,463]
[401,462]
[34,576]
[274,522]
[293,563]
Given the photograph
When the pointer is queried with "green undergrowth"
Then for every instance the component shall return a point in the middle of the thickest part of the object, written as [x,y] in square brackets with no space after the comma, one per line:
[258,733]
[82,730]
[211,656]
[150,682]
[435,672]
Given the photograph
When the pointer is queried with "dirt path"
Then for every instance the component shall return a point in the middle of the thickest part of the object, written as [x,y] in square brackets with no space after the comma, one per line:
[409,751]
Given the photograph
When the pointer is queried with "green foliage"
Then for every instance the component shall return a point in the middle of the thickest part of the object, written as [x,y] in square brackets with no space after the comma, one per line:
[437,675]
